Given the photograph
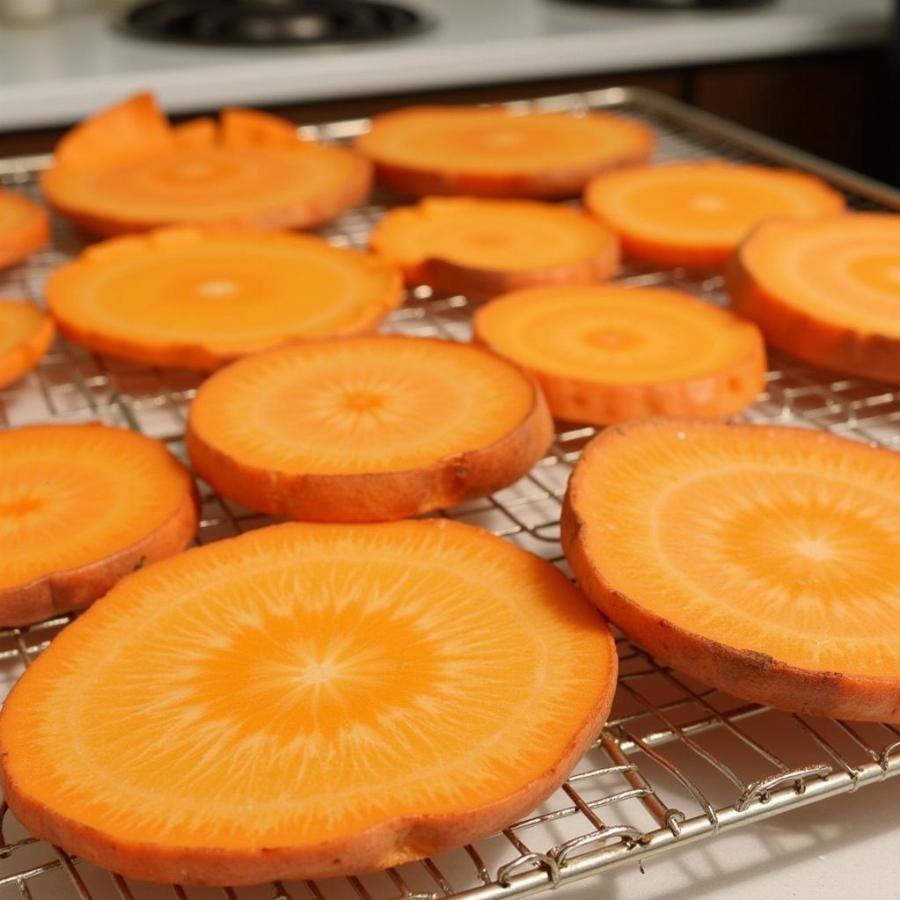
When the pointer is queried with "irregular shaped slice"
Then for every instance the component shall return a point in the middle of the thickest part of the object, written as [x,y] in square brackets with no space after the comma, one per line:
[826,290]
[305,701]
[25,335]
[24,228]
[607,353]
[182,297]
[760,560]
[366,429]
[694,214]
[492,152]
[81,506]
[481,248]
[127,169]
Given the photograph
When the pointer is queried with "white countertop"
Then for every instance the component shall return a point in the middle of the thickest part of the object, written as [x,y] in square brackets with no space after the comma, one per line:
[58,73]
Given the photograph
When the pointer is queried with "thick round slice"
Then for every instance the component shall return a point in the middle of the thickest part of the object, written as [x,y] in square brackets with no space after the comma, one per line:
[760,560]
[305,701]
[182,297]
[492,152]
[366,429]
[607,353]
[481,248]
[694,214]
[127,169]
[24,228]
[826,290]
[25,335]
[81,506]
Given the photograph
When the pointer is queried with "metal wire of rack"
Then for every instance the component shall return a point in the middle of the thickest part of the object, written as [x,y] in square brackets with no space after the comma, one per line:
[678,761]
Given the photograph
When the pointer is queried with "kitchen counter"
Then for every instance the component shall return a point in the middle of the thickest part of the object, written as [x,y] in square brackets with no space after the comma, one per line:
[58,73]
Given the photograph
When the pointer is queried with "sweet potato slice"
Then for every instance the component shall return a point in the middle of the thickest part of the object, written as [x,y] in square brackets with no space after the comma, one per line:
[80,507]
[182,297]
[24,228]
[127,170]
[491,152]
[826,290]
[25,335]
[481,248]
[606,353]
[366,429]
[760,560]
[305,701]
[694,214]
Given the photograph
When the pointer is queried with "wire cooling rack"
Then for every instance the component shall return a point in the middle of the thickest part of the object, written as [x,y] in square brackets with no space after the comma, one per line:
[677,761]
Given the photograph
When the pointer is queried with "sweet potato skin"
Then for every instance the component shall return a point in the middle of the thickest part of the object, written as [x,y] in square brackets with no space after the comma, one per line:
[378,496]
[748,674]
[390,843]
[827,344]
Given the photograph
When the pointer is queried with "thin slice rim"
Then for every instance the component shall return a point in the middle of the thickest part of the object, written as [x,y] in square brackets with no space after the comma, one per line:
[26,235]
[18,360]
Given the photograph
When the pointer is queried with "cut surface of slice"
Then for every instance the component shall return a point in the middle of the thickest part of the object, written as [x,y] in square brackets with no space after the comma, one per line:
[826,290]
[182,297]
[694,214]
[80,507]
[24,228]
[366,429]
[25,335]
[482,247]
[306,701]
[760,560]
[490,151]
[127,169]
[606,353]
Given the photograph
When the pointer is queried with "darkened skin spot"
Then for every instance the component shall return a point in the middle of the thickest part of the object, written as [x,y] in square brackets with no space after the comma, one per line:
[140,563]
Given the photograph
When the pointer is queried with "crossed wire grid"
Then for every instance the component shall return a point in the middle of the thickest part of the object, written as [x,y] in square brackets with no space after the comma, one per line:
[677,761]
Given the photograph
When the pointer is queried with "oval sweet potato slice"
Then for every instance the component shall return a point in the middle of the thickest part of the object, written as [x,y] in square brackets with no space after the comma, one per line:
[760,560]
[80,507]
[492,152]
[25,335]
[607,353]
[481,248]
[366,429]
[826,290]
[694,214]
[24,228]
[305,701]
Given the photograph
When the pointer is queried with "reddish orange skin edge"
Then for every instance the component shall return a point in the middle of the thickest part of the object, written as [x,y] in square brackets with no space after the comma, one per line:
[816,341]
[747,674]
[378,496]
[17,245]
[390,843]
[62,592]
[22,359]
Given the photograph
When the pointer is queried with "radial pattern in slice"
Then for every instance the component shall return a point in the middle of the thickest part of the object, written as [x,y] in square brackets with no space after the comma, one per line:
[826,290]
[366,429]
[760,560]
[489,151]
[308,700]
[24,228]
[25,335]
[182,297]
[695,214]
[127,169]
[481,248]
[605,353]
[80,507]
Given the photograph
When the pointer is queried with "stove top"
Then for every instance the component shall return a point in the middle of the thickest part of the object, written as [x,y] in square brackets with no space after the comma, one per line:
[270,22]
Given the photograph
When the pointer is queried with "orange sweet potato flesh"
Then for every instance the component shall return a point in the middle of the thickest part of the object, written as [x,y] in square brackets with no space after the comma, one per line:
[826,290]
[305,701]
[366,429]
[81,506]
[127,169]
[491,152]
[25,335]
[483,247]
[24,228]
[608,353]
[759,560]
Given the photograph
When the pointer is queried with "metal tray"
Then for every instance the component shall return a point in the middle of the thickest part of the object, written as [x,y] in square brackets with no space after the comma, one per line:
[678,762]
